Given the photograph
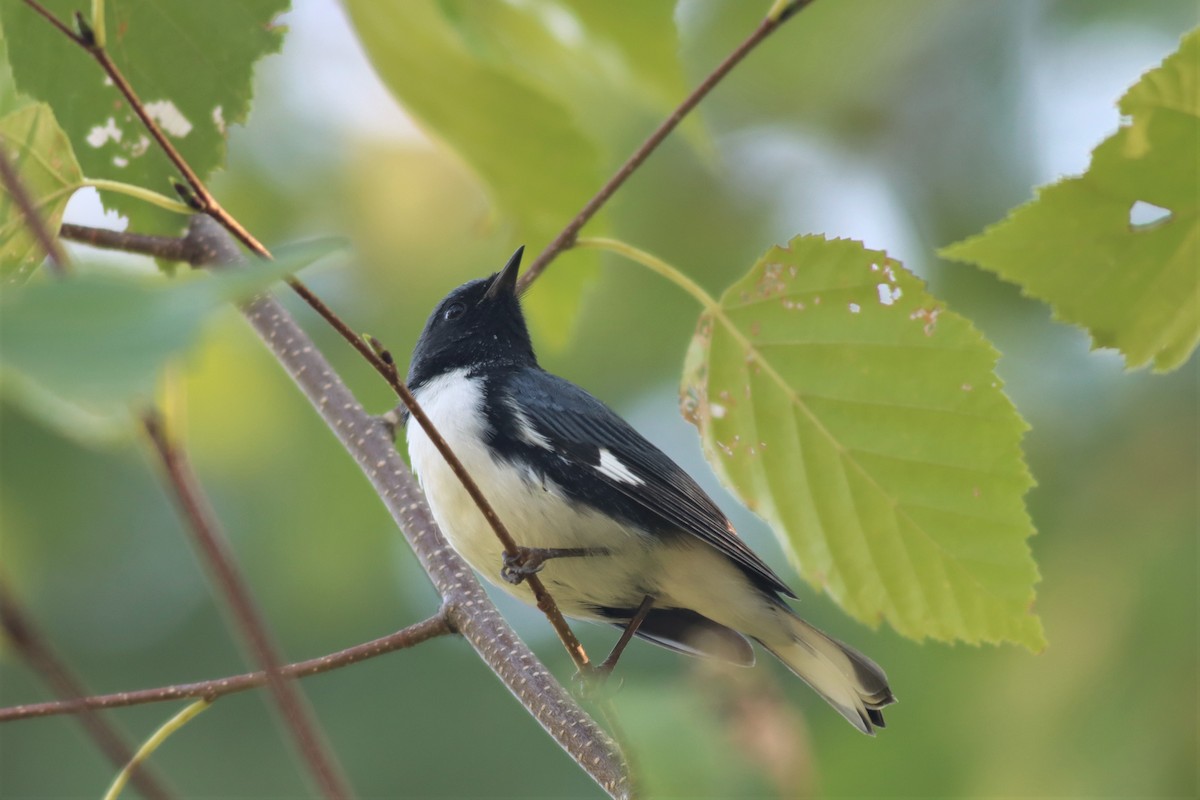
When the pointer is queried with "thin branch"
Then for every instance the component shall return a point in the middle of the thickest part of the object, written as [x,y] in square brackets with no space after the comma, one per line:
[214,547]
[170,248]
[20,193]
[779,14]
[24,635]
[435,626]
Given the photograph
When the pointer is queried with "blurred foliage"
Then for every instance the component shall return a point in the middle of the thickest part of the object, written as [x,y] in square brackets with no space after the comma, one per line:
[865,423]
[934,100]
[86,354]
[1082,247]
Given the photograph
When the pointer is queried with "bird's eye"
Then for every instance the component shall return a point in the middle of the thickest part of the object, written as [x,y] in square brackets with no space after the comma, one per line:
[454,311]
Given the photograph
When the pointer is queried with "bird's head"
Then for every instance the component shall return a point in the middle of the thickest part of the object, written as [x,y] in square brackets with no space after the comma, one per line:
[478,325]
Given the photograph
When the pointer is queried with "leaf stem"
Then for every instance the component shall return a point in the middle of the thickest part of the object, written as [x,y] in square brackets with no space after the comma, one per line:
[153,743]
[139,192]
[653,263]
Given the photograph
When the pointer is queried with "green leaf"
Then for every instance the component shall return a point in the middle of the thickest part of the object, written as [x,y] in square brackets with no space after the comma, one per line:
[537,163]
[10,98]
[865,423]
[43,158]
[190,63]
[1135,287]
[79,352]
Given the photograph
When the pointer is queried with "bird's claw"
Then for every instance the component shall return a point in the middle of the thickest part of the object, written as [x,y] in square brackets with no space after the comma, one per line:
[519,566]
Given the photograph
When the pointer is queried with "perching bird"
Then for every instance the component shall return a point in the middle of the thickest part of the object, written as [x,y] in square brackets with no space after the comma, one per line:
[618,531]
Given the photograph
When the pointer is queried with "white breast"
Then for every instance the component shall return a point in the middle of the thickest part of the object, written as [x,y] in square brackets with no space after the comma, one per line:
[533,511]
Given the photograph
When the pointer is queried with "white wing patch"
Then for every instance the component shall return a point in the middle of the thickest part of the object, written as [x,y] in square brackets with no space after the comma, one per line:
[525,430]
[611,466]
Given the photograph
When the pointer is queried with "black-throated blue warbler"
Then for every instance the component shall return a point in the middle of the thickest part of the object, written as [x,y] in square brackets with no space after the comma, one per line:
[618,531]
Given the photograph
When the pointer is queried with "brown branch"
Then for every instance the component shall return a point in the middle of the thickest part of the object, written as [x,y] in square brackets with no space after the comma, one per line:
[214,547]
[33,647]
[170,248]
[566,238]
[437,625]
[20,193]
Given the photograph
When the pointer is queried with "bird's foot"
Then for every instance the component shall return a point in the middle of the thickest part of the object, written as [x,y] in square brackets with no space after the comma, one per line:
[530,560]
[525,562]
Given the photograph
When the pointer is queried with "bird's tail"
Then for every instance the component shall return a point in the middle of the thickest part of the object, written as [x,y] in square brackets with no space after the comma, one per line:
[849,681]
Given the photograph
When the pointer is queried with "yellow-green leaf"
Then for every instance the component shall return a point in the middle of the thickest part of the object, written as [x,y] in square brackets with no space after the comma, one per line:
[42,155]
[1083,247]
[864,421]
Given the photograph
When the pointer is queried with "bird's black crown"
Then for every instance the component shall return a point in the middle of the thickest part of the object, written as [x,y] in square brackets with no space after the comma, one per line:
[477,326]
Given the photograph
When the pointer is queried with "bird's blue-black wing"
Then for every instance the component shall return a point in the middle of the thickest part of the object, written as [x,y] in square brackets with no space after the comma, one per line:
[563,429]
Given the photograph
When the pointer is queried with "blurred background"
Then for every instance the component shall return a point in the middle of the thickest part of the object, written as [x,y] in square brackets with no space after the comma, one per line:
[907,125]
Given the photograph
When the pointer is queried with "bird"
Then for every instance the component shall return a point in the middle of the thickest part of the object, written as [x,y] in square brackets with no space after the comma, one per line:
[615,529]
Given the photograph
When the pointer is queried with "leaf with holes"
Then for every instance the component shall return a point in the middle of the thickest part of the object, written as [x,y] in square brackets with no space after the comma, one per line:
[190,63]
[864,422]
[1116,250]
[46,165]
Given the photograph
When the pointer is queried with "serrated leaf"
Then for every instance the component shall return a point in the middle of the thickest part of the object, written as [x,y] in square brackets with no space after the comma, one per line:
[79,352]
[865,423]
[538,165]
[191,64]
[46,165]
[1133,286]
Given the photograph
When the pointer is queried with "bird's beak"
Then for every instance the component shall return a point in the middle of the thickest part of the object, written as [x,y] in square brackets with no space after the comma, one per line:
[505,281]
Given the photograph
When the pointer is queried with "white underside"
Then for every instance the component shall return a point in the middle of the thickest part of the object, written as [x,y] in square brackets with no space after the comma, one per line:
[683,574]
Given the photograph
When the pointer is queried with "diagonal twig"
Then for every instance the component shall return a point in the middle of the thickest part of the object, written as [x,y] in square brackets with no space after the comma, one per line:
[216,552]
[779,14]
